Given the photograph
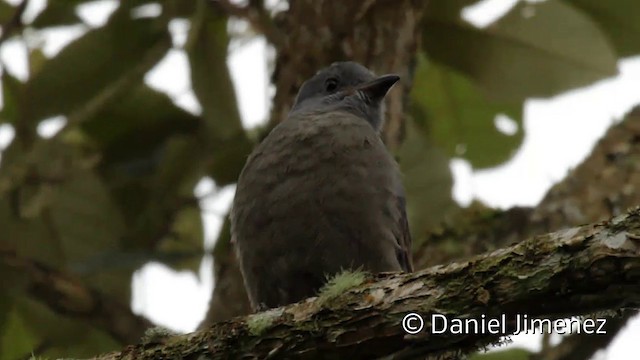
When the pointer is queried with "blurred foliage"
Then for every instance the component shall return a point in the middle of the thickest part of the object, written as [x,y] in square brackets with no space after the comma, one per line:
[114,188]
[510,354]
[454,113]
[536,49]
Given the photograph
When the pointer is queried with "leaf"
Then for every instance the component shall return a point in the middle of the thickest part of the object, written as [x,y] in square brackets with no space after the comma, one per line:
[88,224]
[16,340]
[509,354]
[89,64]
[12,90]
[427,181]
[66,337]
[183,248]
[536,49]
[618,19]
[207,50]
[458,117]
[57,13]
[59,212]
[37,59]
[182,167]
[25,181]
[6,12]
[152,159]
[137,126]
[28,237]
[227,158]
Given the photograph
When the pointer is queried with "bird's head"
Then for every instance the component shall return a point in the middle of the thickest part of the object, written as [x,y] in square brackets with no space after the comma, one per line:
[346,86]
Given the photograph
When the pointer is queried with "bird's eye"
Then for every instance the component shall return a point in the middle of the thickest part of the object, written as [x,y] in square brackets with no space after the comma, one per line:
[331,85]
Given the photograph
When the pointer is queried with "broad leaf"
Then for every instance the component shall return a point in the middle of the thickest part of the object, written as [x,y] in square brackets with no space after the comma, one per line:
[207,49]
[12,90]
[152,159]
[536,49]
[63,336]
[6,12]
[427,181]
[60,213]
[90,64]
[57,13]
[136,126]
[619,19]
[456,115]
[16,339]
[509,354]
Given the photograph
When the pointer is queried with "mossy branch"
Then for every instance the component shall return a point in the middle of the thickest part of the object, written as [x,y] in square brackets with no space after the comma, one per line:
[578,271]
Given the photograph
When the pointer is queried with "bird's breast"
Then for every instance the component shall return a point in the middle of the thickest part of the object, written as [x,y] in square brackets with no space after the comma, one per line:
[323,167]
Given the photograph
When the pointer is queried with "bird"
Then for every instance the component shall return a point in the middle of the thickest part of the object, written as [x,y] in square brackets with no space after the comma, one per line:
[321,193]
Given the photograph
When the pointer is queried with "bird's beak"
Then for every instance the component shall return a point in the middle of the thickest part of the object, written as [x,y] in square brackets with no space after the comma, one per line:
[376,89]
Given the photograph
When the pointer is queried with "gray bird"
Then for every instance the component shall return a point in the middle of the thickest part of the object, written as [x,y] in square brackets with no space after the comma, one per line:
[321,193]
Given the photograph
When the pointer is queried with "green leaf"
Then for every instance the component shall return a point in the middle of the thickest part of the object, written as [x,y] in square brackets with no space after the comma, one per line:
[182,167]
[227,142]
[88,224]
[89,64]
[183,248]
[152,159]
[457,116]
[12,90]
[227,157]
[66,337]
[536,49]
[29,237]
[207,51]
[136,126]
[27,180]
[16,339]
[619,19]
[36,59]
[59,212]
[57,13]
[6,12]
[427,181]
[510,354]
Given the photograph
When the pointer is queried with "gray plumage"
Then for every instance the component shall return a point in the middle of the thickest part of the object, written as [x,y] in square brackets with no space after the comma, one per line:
[321,193]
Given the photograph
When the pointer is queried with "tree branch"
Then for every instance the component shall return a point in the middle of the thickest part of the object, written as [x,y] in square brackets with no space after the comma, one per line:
[577,271]
[599,188]
[602,186]
[70,297]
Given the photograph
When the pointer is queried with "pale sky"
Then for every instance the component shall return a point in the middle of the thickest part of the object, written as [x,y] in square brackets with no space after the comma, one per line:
[559,134]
